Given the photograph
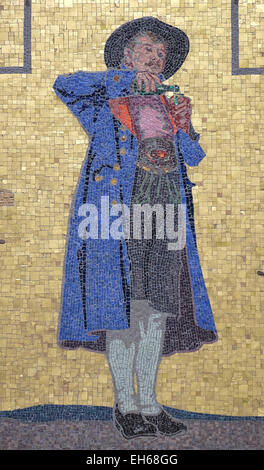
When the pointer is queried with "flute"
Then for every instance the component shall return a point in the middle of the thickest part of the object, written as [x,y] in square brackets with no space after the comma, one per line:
[160,90]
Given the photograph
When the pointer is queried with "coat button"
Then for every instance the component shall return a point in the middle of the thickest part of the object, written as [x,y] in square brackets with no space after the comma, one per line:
[98,178]
[122,151]
[113,181]
[123,128]
[123,138]
[116,78]
[116,167]
[113,202]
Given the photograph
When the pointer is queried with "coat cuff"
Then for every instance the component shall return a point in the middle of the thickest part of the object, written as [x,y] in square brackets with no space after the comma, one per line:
[192,152]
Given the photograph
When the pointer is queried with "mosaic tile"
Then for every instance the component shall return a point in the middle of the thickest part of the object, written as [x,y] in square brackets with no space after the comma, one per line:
[251,33]
[247,33]
[15,20]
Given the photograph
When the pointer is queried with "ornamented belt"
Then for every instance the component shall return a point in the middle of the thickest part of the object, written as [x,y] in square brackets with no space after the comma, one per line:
[157,155]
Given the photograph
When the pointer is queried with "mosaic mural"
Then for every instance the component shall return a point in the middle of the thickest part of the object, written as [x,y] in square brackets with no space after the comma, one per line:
[148,248]
[150,299]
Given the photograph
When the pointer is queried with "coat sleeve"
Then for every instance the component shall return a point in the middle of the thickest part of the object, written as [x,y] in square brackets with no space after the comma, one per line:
[190,149]
[85,93]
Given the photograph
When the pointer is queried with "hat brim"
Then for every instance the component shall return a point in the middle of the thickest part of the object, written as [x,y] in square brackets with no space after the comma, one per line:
[177,43]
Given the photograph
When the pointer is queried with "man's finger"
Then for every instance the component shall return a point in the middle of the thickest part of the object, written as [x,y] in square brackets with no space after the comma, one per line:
[181,109]
[141,84]
[154,77]
[152,85]
[147,84]
[181,99]
[185,100]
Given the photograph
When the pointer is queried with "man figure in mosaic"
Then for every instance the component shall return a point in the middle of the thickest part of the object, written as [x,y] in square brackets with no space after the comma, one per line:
[134,298]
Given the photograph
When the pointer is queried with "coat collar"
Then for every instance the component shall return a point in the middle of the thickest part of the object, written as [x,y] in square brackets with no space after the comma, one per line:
[120,108]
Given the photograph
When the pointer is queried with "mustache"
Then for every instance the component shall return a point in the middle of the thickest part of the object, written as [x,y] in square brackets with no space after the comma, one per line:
[152,63]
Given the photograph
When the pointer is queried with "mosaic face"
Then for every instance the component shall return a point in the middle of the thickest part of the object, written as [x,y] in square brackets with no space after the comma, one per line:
[146,55]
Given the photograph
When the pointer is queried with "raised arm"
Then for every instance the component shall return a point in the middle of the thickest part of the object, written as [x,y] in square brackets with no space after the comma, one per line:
[85,93]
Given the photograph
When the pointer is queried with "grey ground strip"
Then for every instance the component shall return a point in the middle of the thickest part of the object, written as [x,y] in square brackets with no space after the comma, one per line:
[94,435]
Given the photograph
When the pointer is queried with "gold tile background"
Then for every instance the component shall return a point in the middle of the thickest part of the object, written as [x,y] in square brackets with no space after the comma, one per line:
[11,33]
[42,150]
[251,33]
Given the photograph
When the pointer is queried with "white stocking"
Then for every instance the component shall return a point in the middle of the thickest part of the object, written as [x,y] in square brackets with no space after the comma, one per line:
[148,358]
[121,361]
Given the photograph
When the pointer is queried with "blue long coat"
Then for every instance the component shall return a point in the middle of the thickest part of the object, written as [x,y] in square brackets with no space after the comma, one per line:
[95,293]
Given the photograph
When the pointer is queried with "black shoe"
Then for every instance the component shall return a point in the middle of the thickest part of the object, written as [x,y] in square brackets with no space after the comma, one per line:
[165,424]
[132,425]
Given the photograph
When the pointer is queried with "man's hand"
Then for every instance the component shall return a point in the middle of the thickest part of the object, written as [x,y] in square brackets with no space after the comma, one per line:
[181,113]
[148,79]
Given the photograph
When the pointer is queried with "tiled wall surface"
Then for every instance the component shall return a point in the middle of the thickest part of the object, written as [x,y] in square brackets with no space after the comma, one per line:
[251,33]
[11,32]
[42,150]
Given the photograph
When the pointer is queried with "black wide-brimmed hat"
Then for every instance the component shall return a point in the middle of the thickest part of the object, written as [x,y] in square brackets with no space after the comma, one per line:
[177,42]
